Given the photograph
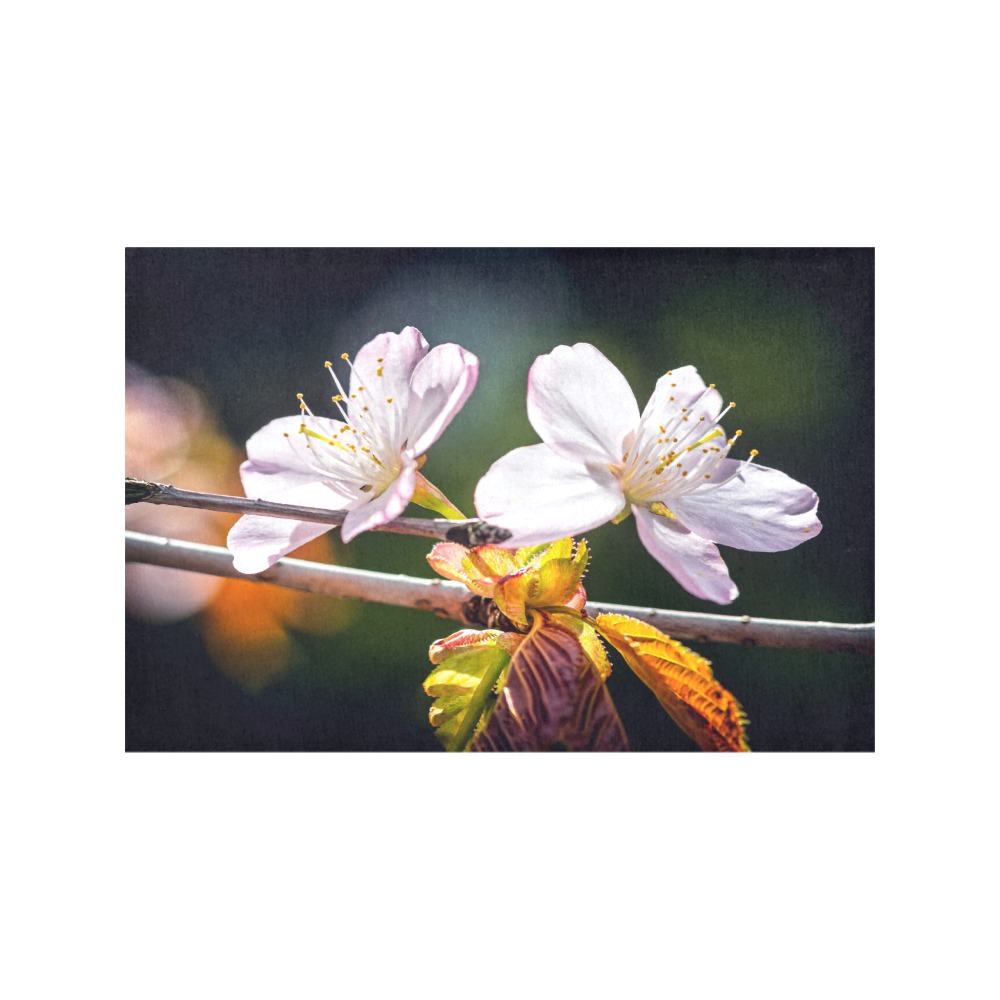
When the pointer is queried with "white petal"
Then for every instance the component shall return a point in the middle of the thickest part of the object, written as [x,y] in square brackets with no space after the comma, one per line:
[441,383]
[281,458]
[278,450]
[580,404]
[384,508]
[258,542]
[758,509]
[678,394]
[691,560]
[685,385]
[400,353]
[540,497]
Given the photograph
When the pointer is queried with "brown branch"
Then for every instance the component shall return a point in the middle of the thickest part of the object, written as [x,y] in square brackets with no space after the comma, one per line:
[447,599]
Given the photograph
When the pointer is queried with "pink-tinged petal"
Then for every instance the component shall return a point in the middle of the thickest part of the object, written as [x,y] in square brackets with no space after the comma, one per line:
[580,404]
[678,394]
[540,497]
[384,508]
[258,542]
[280,460]
[686,386]
[758,509]
[382,371]
[441,383]
[691,560]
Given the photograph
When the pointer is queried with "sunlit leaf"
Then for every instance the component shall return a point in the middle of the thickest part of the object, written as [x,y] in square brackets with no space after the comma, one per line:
[591,643]
[465,681]
[682,681]
[490,562]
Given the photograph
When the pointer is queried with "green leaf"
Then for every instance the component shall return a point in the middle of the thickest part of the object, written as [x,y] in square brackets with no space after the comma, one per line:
[463,689]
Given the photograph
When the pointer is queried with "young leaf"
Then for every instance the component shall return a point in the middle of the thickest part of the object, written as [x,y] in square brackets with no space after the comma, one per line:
[682,682]
[553,695]
[462,686]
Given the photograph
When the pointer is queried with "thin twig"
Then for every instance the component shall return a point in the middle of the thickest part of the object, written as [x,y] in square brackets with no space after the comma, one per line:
[470,533]
[447,599]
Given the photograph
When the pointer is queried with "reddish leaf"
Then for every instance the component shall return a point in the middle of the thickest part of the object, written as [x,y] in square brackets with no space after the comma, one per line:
[553,694]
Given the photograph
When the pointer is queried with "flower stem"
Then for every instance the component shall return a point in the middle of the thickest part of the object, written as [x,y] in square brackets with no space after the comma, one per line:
[477,705]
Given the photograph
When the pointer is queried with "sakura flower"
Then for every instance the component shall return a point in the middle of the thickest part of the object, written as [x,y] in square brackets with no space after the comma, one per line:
[401,397]
[602,460]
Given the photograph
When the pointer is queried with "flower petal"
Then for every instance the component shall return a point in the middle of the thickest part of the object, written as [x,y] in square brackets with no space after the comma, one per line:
[580,404]
[439,387]
[692,561]
[384,508]
[681,397]
[259,542]
[382,371]
[758,509]
[280,459]
[688,389]
[540,497]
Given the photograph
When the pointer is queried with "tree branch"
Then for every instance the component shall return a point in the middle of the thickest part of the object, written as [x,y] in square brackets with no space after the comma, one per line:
[469,533]
[447,599]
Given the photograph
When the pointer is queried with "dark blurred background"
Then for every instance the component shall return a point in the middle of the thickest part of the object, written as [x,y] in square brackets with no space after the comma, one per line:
[219,341]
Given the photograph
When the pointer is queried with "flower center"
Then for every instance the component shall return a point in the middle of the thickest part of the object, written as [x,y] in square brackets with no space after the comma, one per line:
[680,456]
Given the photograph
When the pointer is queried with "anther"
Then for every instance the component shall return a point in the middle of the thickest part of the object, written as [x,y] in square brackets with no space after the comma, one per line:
[344,356]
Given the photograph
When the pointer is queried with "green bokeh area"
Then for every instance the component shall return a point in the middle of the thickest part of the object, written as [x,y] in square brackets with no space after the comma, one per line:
[788,334]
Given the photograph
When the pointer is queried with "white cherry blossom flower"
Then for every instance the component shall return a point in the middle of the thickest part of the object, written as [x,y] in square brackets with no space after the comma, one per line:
[402,395]
[602,460]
